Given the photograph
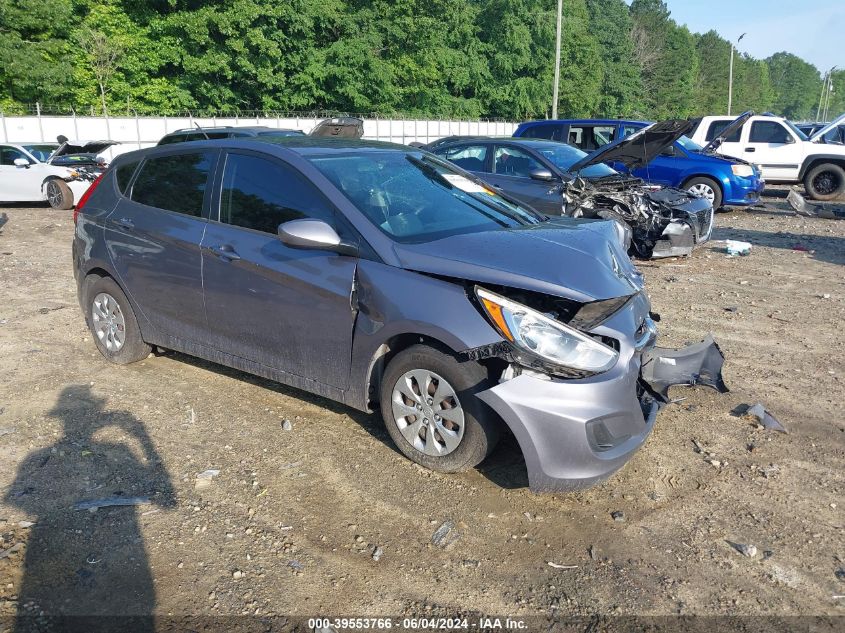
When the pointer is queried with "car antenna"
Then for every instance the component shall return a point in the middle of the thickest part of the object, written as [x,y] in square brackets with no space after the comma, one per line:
[207,137]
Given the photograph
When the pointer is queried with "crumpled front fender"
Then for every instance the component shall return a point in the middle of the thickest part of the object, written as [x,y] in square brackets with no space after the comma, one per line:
[694,365]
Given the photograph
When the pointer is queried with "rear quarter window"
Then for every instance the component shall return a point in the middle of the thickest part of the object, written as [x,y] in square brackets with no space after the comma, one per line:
[174,183]
[123,175]
[550,131]
[716,128]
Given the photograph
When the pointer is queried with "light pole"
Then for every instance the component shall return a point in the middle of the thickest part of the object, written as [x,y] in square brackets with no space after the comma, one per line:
[731,74]
[829,84]
[557,58]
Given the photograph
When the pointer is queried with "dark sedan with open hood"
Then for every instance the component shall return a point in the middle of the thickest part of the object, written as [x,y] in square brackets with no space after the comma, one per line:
[385,278]
[558,179]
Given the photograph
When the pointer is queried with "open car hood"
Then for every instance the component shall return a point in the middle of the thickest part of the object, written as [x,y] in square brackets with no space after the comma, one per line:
[732,127]
[581,260]
[827,128]
[339,127]
[82,147]
[637,149]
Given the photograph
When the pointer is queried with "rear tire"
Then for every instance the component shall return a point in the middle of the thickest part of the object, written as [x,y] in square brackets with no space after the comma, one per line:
[706,187]
[825,182]
[112,322]
[58,194]
[438,421]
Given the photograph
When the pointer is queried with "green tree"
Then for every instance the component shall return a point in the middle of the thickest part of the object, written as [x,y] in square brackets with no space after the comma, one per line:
[796,84]
[35,61]
[668,60]
[610,24]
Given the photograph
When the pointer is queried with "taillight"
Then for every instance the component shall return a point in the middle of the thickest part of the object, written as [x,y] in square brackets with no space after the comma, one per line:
[85,196]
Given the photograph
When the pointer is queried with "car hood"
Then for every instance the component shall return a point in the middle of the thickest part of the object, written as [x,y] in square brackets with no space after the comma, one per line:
[827,128]
[732,127]
[82,147]
[637,149]
[580,260]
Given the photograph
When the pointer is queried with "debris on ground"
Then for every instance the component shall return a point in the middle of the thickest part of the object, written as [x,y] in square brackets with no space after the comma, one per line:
[7,430]
[618,516]
[25,524]
[745,549]
[766,419]
[13,549]
[204,478]
[286,425]
[559,566]
[735,248]
[445,535]
[800,205]
[3,219]
[296,565]
[377,553]
[95,504]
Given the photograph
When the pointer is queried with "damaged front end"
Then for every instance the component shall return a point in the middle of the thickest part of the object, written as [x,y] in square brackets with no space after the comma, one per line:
[665,222]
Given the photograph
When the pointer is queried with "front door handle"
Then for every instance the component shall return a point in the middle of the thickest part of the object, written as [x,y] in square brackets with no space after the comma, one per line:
[126,223]
[225,251]
[750,149]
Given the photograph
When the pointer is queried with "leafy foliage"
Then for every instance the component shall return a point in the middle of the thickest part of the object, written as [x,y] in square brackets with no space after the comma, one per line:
[432,58]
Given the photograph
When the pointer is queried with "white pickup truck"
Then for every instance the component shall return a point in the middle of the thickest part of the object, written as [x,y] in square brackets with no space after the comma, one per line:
[782,152]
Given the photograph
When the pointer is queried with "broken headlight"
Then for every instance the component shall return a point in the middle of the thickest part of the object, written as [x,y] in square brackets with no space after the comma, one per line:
[539,336]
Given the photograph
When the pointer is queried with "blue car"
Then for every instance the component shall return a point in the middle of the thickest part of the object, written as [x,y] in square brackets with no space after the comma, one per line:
[683,164]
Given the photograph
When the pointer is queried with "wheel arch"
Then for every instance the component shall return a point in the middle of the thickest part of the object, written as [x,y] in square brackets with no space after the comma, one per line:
[816,159]
[717,179]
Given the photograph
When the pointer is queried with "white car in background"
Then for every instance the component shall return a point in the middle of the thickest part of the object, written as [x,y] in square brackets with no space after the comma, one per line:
[783,153]
[59,173]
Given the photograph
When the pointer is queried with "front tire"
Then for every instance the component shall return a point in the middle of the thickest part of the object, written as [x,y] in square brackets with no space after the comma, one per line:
[825,182]
[431,410]
[58,194]
[706,188]
[112,322]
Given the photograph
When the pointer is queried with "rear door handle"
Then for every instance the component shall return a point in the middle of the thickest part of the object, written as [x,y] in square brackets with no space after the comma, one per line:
[126,223]
[750,149]
[225,251]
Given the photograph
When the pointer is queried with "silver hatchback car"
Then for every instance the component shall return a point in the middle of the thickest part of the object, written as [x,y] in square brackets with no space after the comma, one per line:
[385,278]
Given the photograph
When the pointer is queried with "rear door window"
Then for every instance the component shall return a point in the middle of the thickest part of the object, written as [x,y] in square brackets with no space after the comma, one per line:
[716,128]
[768,132]
[469,157]
[175,182]
[261,194]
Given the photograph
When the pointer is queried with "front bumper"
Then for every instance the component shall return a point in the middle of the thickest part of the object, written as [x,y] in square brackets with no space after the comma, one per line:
[682,235]
[577,433]
[745,192]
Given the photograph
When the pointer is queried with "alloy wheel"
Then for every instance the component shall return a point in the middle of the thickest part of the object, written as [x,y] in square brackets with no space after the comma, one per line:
[825,183]
[704,191]
[54,194]
[109,323]
[427,412]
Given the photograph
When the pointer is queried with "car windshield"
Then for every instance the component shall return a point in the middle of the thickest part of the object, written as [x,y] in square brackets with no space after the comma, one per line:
[41,152]
[690,145]
[417,198]
[798,132]
[565,156]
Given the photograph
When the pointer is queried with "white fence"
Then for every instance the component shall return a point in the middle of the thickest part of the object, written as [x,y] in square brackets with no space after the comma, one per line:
[137,132]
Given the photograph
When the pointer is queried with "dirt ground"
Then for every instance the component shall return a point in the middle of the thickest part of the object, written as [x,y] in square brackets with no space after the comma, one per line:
[291,522]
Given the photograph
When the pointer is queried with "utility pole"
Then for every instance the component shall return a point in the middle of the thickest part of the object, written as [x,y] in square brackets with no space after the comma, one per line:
[821,98]
[829,84]
[731,74]
[557,58]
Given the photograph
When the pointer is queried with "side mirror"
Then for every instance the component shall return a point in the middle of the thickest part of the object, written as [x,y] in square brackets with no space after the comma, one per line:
[668,151]
[21,162]
[542,174]
[316,235]
[789,140]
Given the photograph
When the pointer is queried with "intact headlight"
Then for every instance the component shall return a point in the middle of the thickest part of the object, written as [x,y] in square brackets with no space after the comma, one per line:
[545,338]
[744,171]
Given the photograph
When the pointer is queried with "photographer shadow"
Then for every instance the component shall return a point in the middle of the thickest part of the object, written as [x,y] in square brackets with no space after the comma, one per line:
[82,568]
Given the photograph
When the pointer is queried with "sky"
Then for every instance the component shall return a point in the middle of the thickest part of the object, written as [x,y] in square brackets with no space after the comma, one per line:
[811,29]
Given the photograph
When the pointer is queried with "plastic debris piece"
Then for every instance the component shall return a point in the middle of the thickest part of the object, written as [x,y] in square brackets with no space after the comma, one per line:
[559,566]
[735,248]
[769,421]
[445,535]
[95,504]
